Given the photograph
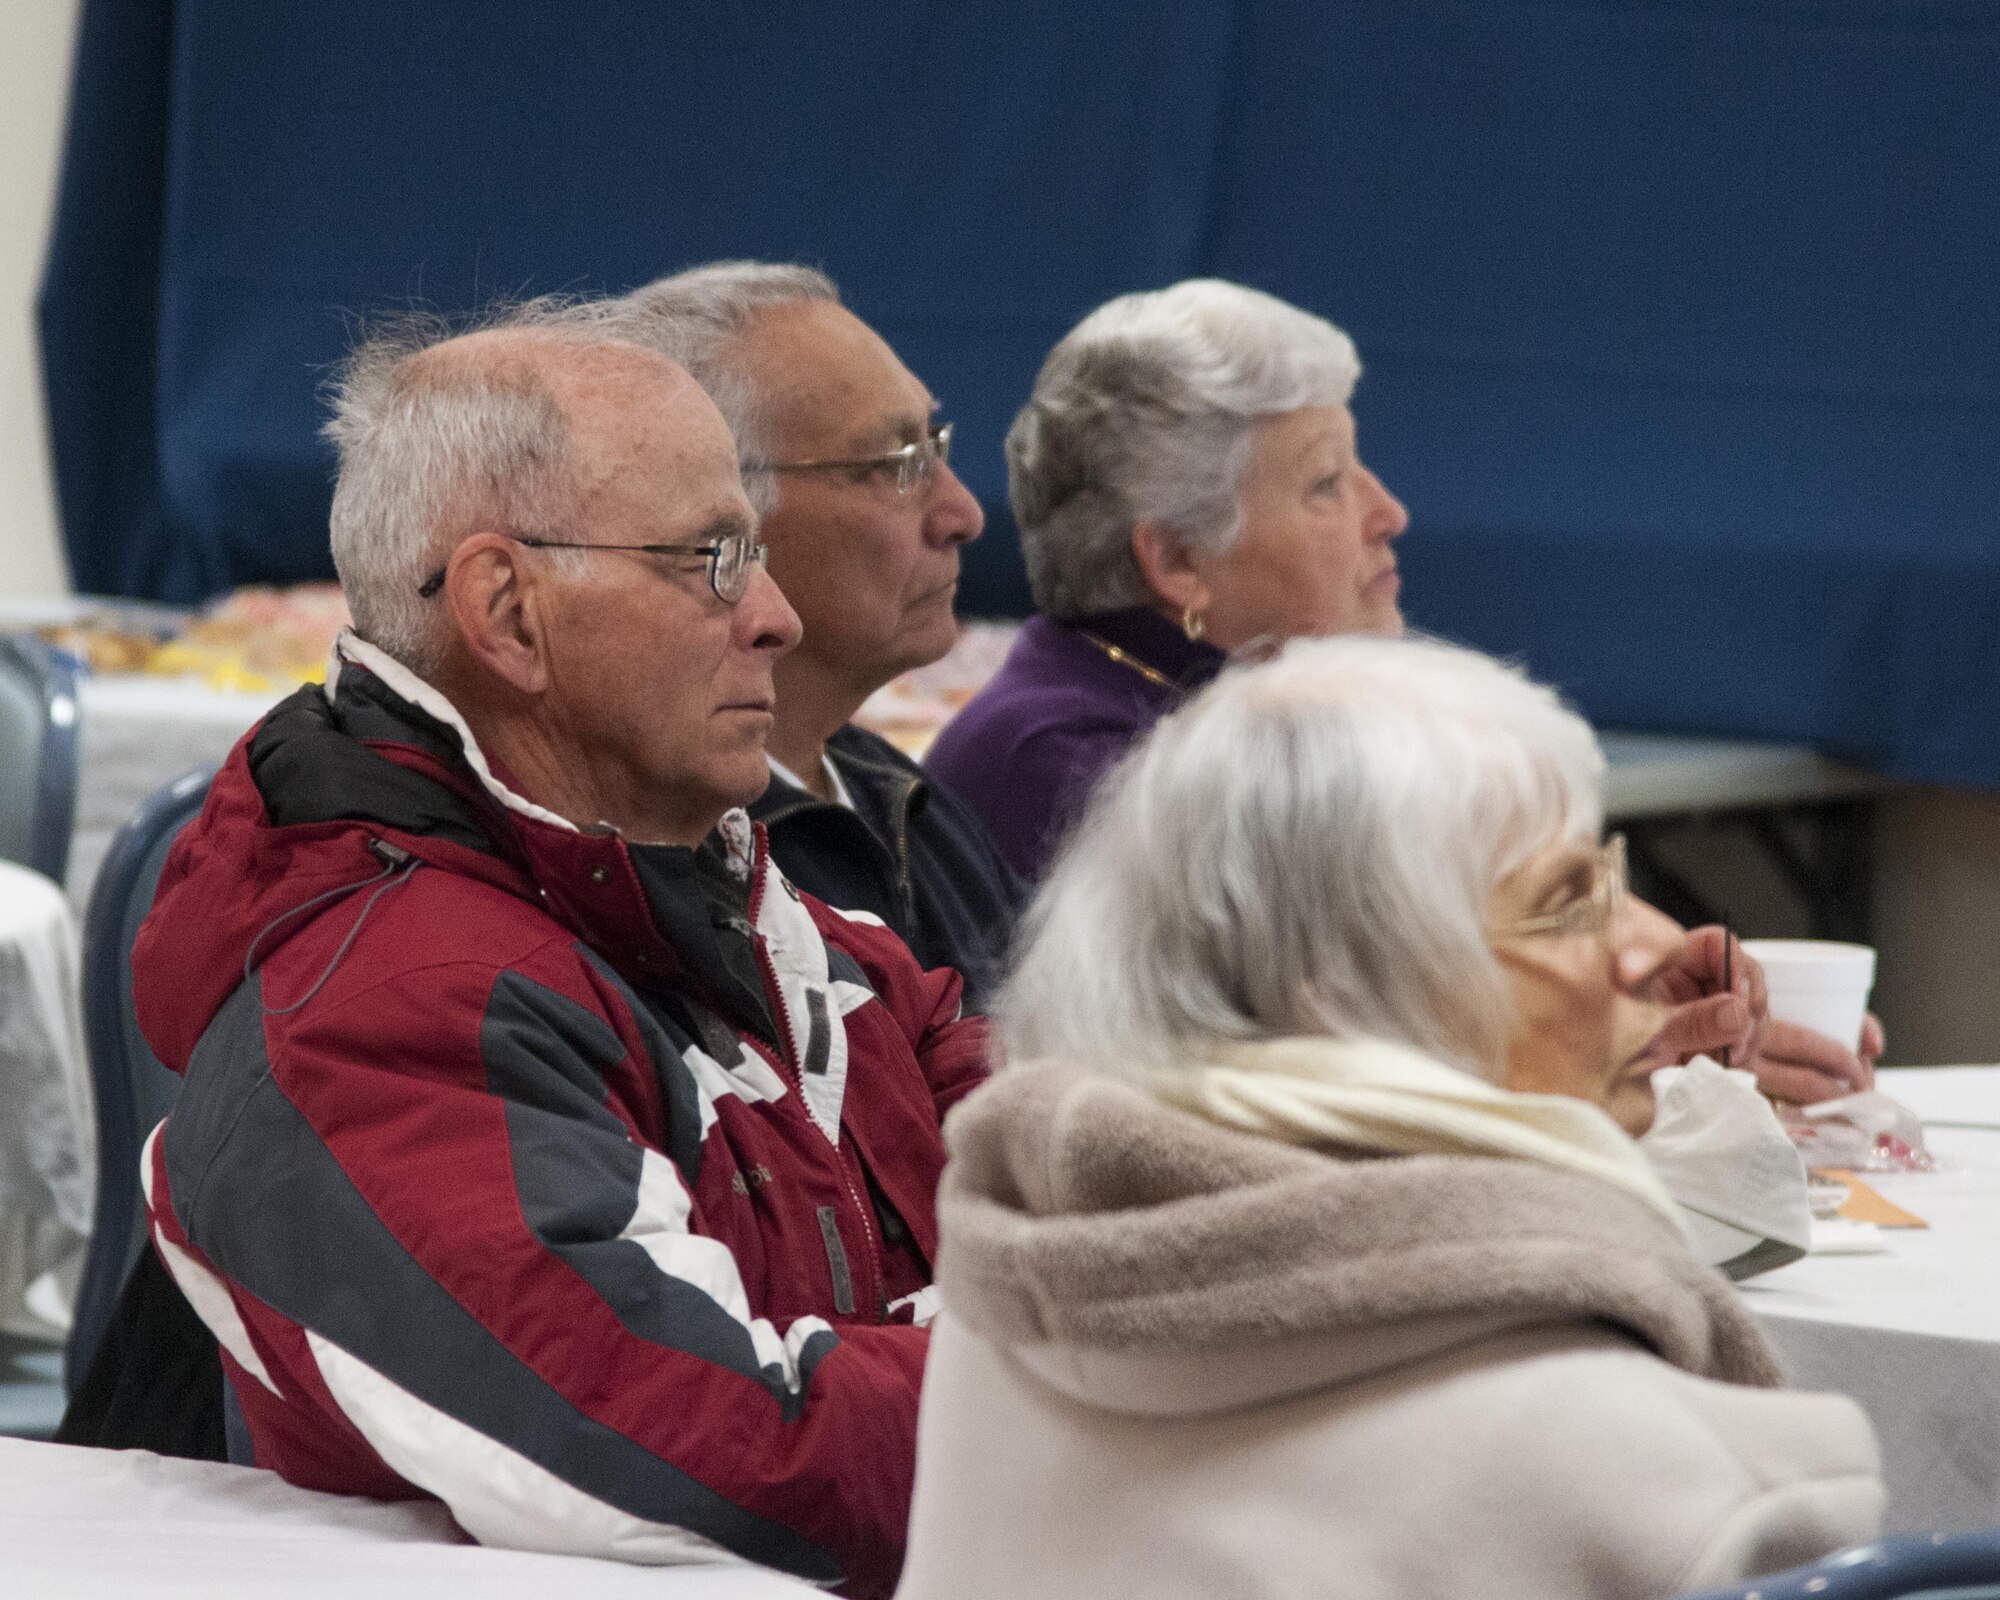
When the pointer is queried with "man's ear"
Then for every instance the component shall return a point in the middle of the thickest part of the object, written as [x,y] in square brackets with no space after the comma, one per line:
[1168,568]
[495,611]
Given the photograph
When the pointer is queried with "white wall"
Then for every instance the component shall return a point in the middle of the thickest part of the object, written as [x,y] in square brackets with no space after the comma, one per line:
[35,42]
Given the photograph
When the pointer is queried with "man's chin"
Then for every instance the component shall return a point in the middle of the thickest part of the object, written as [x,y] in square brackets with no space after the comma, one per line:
[743,781]
[924,643]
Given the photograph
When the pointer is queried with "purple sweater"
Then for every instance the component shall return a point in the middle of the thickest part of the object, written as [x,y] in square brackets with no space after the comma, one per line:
[1029,747]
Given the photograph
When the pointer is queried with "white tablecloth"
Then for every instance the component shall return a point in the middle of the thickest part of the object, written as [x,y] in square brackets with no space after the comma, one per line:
[1914,1334]
[47,1148]
[137,734]
[85,1524]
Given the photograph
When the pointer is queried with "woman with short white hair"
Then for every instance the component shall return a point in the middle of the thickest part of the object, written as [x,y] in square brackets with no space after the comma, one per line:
[1303,1246]
[1185,479]
[1186,482]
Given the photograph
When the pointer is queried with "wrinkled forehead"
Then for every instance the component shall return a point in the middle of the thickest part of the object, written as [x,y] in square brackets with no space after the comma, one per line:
[644,432]
[828,383]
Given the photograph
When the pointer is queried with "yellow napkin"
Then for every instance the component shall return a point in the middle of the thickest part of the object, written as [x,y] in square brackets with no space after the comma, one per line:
[1865,1204]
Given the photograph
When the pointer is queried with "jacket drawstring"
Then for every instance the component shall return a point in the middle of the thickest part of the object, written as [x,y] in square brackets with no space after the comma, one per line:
[397,867]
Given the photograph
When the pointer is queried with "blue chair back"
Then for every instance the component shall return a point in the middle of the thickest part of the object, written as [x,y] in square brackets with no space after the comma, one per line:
[1909,1566]
[133,1090]
[38,737]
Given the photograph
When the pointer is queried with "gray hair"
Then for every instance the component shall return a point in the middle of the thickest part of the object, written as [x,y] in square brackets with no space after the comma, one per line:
[695,317]
[432,450]
[1143,411]
[1308,847]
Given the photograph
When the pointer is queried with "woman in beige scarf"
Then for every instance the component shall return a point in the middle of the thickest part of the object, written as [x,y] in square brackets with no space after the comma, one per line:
[1304,1248]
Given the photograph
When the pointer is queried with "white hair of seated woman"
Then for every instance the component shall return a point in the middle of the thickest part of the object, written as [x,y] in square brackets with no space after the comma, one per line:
[1372,793]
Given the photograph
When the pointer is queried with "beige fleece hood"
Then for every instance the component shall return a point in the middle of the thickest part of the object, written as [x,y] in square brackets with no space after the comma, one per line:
[1132,1255]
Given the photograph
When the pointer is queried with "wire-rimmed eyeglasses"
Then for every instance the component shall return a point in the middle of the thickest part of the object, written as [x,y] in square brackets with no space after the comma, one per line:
[914,465]
[731,559]
[1590,913]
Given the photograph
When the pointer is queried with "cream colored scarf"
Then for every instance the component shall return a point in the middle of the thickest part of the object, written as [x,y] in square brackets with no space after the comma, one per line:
[1371,1094]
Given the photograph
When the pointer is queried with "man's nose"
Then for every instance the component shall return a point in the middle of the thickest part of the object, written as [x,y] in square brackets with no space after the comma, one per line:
[764,618]
[953,515]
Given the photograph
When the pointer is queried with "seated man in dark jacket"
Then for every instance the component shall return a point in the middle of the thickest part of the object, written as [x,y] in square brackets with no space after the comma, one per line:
[542,1148]
[845,459]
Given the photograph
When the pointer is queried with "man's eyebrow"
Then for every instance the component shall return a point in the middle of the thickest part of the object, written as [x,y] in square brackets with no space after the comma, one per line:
[904,427]
[726,525]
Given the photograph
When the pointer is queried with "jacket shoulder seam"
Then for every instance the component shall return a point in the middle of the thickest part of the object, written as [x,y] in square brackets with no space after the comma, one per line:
[268,1078]
[494,966]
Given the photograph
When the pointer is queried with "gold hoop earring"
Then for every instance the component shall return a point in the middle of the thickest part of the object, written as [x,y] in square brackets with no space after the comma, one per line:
[1193,624]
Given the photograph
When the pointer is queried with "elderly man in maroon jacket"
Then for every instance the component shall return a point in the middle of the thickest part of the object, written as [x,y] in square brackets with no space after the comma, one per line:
[542,1149]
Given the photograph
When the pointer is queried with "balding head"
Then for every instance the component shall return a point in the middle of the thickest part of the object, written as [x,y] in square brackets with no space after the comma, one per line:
[532,518]
[443,436]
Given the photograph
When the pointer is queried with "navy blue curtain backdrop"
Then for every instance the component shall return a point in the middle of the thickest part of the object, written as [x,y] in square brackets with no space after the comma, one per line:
[1681,319]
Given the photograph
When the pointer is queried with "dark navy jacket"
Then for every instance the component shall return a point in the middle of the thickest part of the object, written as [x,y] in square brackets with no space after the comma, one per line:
[910,852]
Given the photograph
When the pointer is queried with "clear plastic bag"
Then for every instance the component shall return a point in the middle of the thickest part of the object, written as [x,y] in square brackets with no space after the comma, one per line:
[1865,1132]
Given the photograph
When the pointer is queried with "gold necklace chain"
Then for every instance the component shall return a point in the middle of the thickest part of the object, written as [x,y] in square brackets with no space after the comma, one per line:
[1125,658]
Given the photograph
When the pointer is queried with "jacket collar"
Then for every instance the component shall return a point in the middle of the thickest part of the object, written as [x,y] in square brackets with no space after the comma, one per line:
[888,790]
[1142,633]
[660,914]
[442,716]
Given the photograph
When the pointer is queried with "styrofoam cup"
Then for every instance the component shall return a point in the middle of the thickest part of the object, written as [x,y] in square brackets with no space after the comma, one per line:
[1818,983]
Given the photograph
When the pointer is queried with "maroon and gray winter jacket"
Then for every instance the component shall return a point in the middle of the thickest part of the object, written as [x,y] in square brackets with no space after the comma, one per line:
[586,1186]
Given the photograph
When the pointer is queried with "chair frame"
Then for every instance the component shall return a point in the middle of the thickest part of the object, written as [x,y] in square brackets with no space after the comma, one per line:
[1903,1566]
[54,819]
[107,997]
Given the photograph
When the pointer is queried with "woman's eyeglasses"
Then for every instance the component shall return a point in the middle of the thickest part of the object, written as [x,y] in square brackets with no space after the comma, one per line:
[1589,913]
[730,559]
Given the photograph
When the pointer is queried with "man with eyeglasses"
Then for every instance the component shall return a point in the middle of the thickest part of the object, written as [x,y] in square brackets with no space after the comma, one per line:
[542,1148]
[849,465]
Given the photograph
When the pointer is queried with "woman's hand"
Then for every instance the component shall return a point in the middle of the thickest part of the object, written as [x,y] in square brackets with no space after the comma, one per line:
[1790,1062]
[1799,1065]
[1707,1017]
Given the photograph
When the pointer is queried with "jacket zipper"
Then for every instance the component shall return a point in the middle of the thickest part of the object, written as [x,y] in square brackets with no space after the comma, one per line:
[903,858]
[775,995]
